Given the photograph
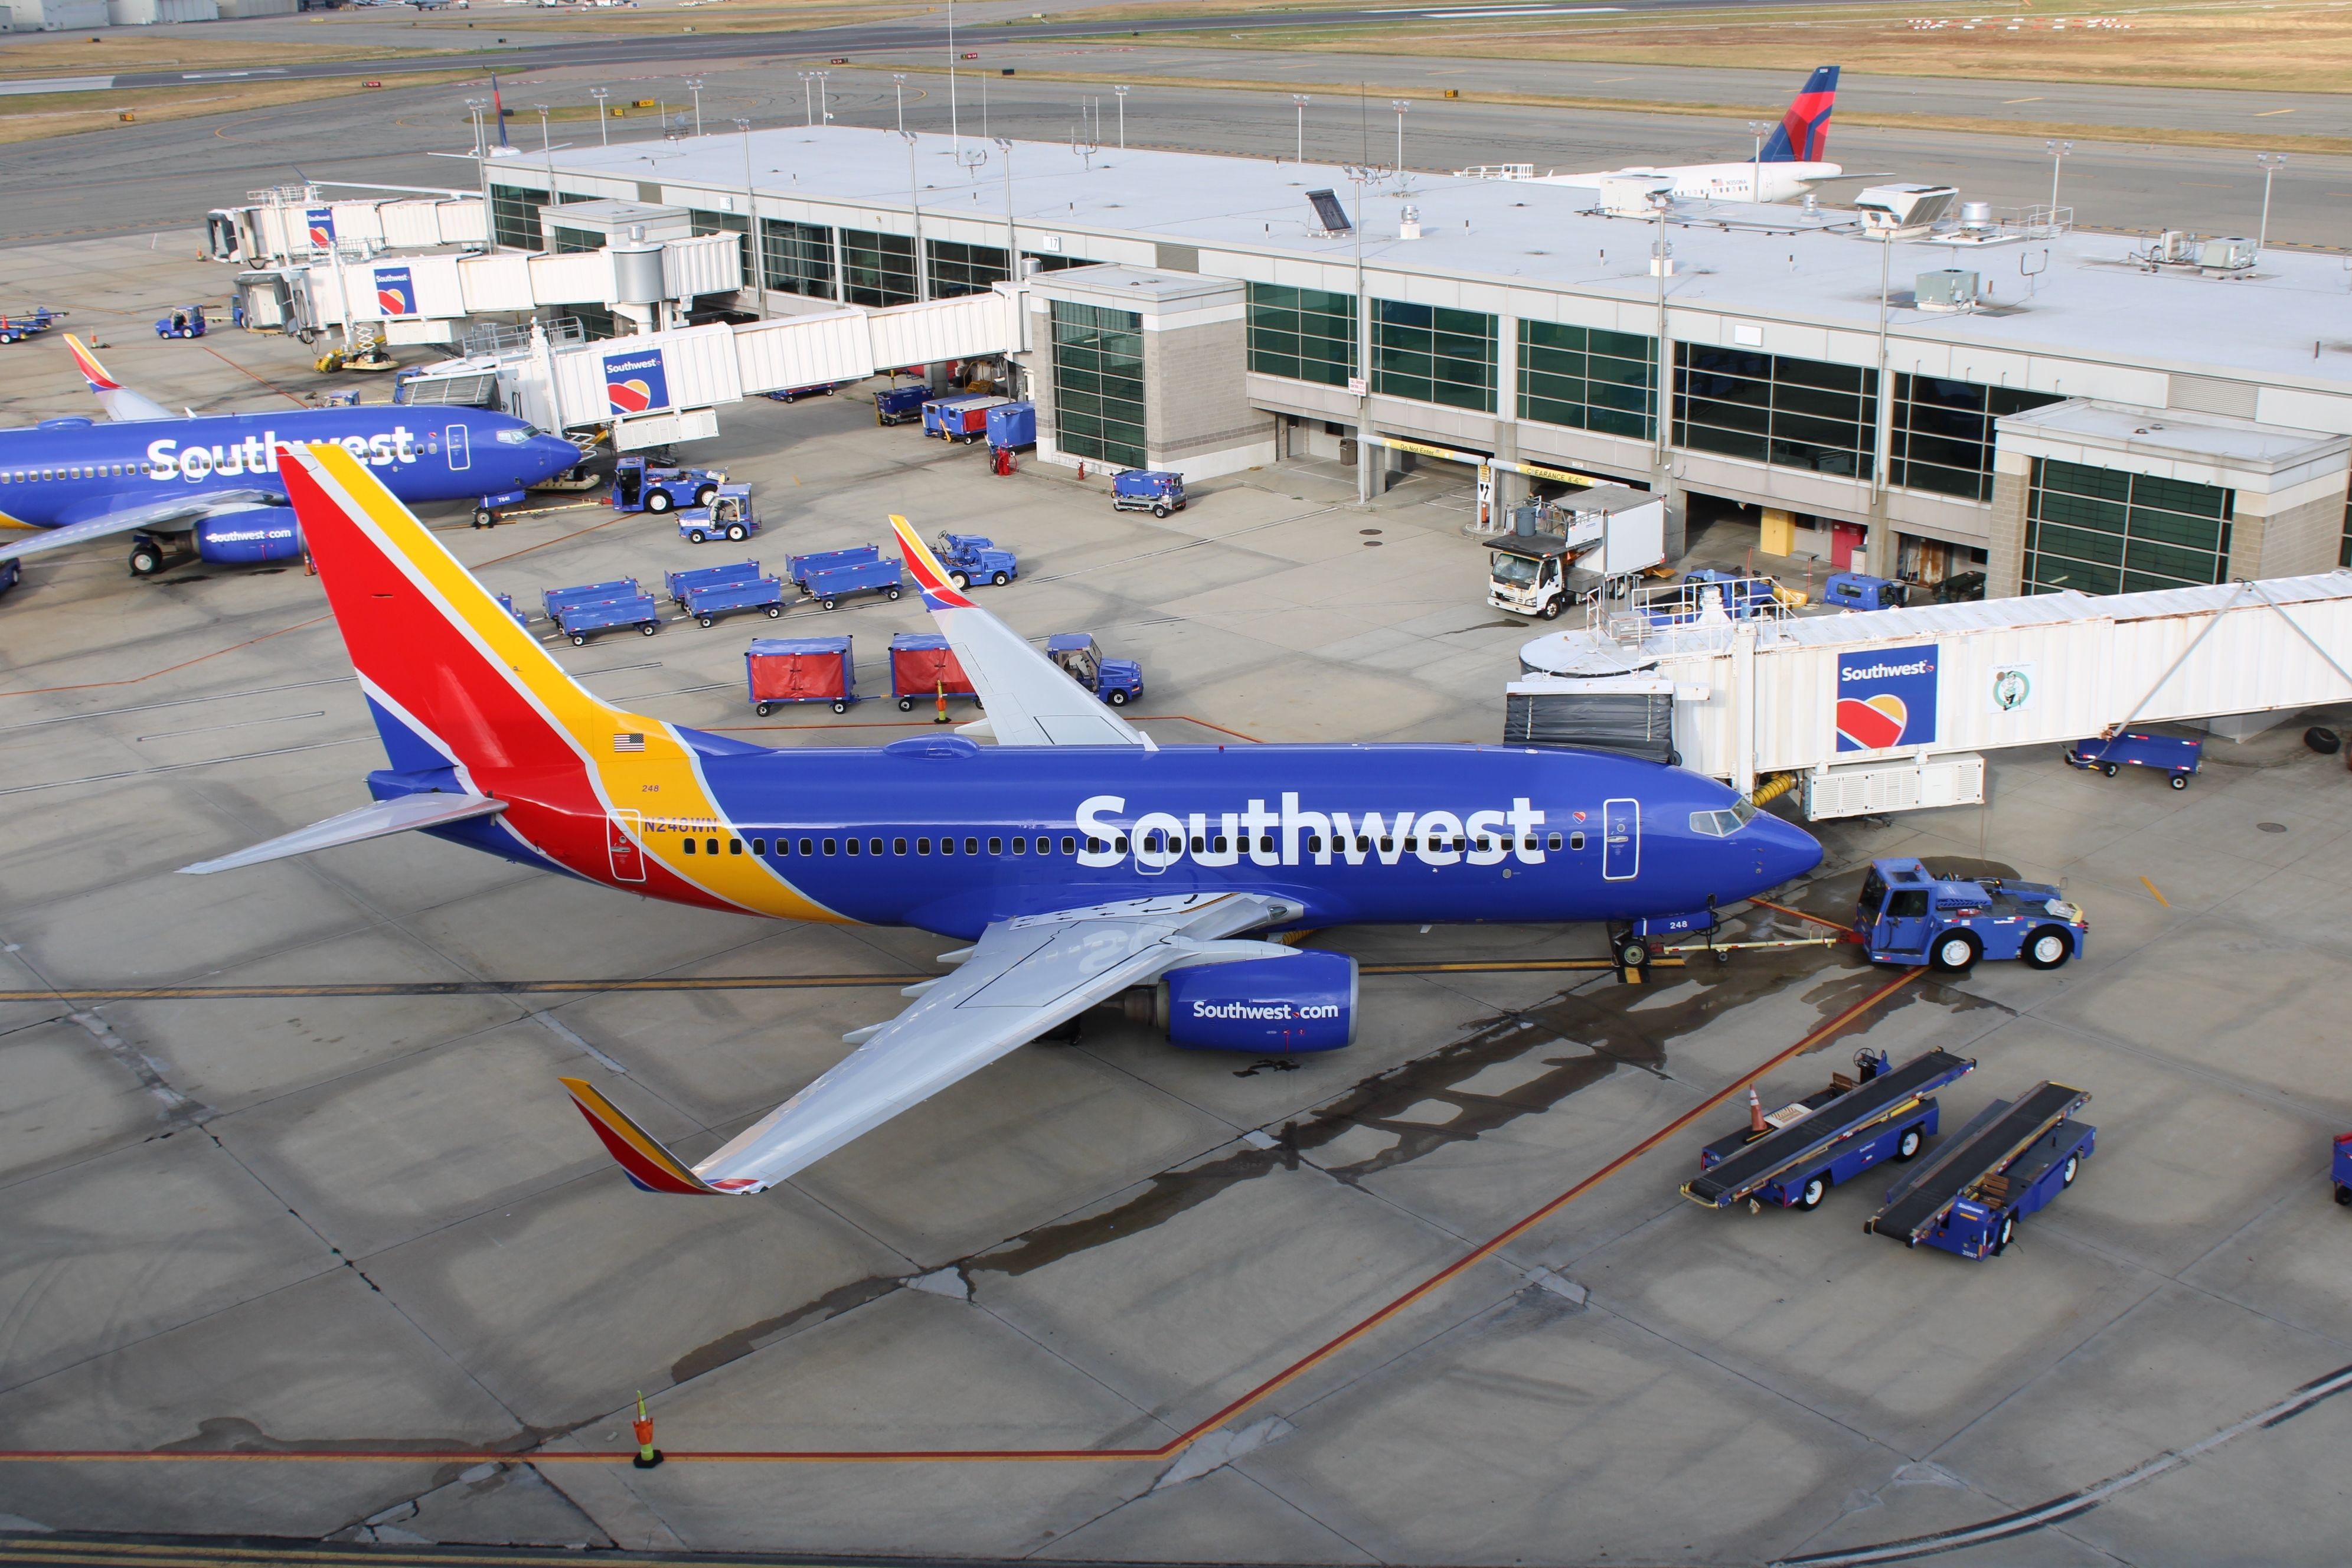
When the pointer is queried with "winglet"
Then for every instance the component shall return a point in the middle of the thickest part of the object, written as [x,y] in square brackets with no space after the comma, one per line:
[644,1161]
[91,370]
[939,594]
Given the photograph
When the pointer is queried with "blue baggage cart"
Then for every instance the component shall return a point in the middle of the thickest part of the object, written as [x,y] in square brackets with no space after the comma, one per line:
[678,582]
[728,516]
[924,668]
[972,558]
[938,412]
[579,621]
[1856,591]
[1012,425]
[794,394]
[2340,1170]
[1147,489]
[834,584]
[706,603]
[521,618]
[798,567]
[2171,755]
[900,405]
[799,669]
[554,599]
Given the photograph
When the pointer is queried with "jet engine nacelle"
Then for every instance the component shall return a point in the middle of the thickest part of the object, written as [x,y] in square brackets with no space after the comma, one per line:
[250,537]
[1270,1005]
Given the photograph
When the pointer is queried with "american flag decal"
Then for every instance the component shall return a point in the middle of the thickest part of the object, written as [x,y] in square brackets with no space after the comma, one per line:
[629,742]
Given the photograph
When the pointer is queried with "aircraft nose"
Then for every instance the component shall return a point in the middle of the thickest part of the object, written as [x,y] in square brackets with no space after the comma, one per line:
[1783,850]
[558,453]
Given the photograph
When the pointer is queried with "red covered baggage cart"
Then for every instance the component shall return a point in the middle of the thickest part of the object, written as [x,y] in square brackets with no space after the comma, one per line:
[799,669]
[923,668]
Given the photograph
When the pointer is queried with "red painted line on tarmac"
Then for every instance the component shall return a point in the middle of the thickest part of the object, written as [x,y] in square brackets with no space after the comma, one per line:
[1168,1450]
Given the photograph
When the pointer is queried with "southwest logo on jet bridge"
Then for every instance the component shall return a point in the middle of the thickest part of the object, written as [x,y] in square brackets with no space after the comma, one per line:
[166,459]
[395,293]
[323,228]
[1158,839]
[1887,698]
[636,383]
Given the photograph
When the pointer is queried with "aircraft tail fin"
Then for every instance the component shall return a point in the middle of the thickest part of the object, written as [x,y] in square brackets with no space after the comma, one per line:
[119,402]
[1804,134]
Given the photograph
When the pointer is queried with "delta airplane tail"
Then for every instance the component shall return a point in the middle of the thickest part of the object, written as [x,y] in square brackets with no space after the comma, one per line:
[1804,134]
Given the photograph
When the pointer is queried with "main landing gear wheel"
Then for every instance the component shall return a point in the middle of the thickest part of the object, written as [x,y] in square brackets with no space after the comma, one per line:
[146,559]
[1956,951]
[2047,949]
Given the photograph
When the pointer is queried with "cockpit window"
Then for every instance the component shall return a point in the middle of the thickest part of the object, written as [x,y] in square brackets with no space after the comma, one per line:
[517,437]
[1724,823]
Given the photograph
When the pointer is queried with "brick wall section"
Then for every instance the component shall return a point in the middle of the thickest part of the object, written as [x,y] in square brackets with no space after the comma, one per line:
[2299,540]
[1196,397]
[2005,572]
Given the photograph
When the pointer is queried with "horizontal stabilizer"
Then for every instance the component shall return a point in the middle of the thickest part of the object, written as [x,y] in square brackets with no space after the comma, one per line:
[400,815]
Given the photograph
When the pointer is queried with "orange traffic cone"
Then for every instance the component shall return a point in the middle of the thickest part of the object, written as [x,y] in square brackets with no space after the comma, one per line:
[648,1455]
[941,716]
[1755,1122]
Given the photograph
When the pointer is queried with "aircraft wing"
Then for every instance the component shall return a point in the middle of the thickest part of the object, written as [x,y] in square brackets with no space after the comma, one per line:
[1030,700]
[399,814]
[119,401]
[172,516]
[1023,977]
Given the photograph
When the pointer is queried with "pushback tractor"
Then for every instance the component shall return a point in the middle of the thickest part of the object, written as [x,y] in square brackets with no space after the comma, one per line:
[1908,915]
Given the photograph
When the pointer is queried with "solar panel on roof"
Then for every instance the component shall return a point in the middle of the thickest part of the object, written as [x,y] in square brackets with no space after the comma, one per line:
[1329,213]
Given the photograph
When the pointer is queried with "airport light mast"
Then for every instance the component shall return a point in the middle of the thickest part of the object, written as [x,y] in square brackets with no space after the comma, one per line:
[2271,163]
[1399,105]
[694,85]
[604,128]
[898,80]
[1756,128]
[751,222]
[1300,100]
[1121,90]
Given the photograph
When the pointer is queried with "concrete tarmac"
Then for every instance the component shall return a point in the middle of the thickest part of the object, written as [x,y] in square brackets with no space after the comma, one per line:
[307,1222]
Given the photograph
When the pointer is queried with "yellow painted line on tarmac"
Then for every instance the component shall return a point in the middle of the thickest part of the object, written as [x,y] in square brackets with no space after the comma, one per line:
[2153,893]
[2006,101]
[2268,113]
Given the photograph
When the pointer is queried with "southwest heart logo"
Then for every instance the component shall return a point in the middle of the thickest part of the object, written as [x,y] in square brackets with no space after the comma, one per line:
[629,396]
[392,302]
[1874,723]
[321,238]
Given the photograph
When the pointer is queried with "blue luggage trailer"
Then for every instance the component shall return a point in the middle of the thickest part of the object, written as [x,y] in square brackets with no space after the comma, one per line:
[1117,681]
[676,583]
[2171,755]
[2339,1170]
[1883,1113]
[728,516]
[974,558]
[1147,489]
[1012,425]
[707,602]
[185,321]
[900,405]
[641,485]
[944,417]
[15,327]
[601,607]
[522,617]
[794,394]
[1856,591]
[799,669]
[2013,1158]
[829,586]
[1909,916]
[798,567]
[924,668]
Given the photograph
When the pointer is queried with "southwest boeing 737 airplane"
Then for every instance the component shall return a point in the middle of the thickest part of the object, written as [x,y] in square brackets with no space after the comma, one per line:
[1075,859]
[208,485]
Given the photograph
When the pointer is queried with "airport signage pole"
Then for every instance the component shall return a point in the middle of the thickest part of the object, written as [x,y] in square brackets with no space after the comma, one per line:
[1300,100]
[1012,242]
[2271,163]
[751,222]
[1361,383]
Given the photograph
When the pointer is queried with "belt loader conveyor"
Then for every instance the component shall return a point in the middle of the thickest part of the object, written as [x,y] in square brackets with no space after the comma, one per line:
[2010,1159]
[1826,1138]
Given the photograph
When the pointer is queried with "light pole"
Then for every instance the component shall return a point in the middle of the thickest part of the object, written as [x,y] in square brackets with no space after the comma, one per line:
[474,108]
[694,85]
[603,131]
[955,126]
[915,208]
[1756,128]
[808,96]
[1362,381]
[823,110]
[2057,151]
[2271,164]
[546,142]
[752,222]
[898,80]
[1399,105]
[1300,100]
[1012,242]
[1122,117]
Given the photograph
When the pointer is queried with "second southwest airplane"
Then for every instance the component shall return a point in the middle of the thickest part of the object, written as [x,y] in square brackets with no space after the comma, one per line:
[1075,857]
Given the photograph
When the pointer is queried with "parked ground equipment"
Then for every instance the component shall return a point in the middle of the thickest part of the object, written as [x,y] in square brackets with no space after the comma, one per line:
[1147,489]
[486,508]
[1964,588]
[1907,915]
[641,485]
[2339,1170]
[900,405]
[829,586]
[676,583]
[185,321]
[794,394]
[923,669]
[2012,1159]
[1117,681]
[974,558]
[1708,592]
[800,669]
[1793,1156]
[1857,591]
[2176,757]
[705,602]
[962,417]
[729,516]
[1012,425]
[600,606]
[17,326]
[522,617]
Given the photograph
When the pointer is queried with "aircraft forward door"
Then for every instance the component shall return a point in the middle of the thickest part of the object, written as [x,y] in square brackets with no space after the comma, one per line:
[461,457]
[622,831]
[1621,840]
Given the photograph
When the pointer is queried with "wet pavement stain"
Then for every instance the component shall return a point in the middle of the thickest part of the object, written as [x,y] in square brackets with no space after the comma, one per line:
[740,1342]
[235,1435]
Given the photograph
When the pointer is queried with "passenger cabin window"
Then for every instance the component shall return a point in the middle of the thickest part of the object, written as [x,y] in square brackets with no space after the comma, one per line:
[828,846]
[809,848]
[1555,842]
[897,847]
[689,846]
[922,846]
[972,845]
[996,846]
[1576,841]
[1069,843]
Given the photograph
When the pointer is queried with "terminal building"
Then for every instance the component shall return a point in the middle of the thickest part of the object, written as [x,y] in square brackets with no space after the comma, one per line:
[1894,392]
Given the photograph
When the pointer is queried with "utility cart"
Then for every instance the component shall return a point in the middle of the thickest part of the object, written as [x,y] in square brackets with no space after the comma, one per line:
[601,606]
[707,602]
[972,558]
[1907,915]
[1147,489]
[1859,590]
[1117,681]
[676,583]
[1793,1156]
[924,668]
[834,584]
[799,669]
[2014,1157]
[642,485]
[900,405]
[185,321]
[794,394]
[729,516]
[2176,757]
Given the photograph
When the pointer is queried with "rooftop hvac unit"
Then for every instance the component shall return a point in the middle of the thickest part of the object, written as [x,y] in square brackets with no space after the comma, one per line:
[1634,195]
[2177,246]
[1891,211]
[2226,255]
[1948,289]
